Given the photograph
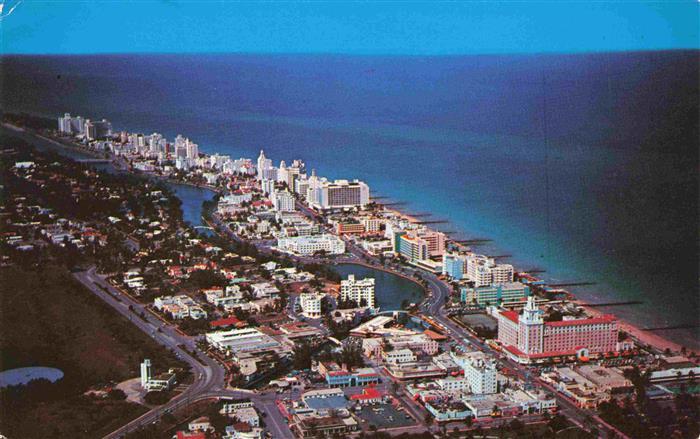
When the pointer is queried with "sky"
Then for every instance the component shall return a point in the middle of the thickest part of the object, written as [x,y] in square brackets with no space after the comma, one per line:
[380,27]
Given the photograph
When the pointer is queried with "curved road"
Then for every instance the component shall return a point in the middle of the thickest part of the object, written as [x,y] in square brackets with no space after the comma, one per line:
[209,375]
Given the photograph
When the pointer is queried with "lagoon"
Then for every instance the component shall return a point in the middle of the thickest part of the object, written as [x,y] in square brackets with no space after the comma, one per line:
[390,289]
[23,375]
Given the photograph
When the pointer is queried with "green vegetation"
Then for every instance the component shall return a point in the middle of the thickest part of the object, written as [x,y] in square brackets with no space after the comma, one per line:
[50,320]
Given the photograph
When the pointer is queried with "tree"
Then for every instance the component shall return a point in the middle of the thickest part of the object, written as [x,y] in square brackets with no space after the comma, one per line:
[217,420]
[302,356]
[429,419]
[116,394]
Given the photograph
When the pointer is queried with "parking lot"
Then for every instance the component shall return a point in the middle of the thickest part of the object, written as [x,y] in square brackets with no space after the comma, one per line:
[383,416]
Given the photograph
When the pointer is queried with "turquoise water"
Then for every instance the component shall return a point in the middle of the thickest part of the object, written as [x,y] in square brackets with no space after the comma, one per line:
[23,375]
[585,166]
[390,290]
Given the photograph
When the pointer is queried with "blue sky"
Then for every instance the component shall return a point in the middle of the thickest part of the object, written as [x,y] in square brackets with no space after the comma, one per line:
[384,27]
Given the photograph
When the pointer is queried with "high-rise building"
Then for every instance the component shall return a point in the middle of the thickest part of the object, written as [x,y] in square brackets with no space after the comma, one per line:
[454,265]
[301,186]
[339,194]
[146,373]
[263,164]
[283,201]
[359,290]
[155,143]
[310,304]
[192,150]
[484,271]
[480,372]
[71,125]
[527,337]
[293,173]
[420,245]
[412,247]
[97,129]
[180,147]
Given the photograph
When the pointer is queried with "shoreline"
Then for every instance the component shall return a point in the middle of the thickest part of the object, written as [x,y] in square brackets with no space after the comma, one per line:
[644,337]
[636,333]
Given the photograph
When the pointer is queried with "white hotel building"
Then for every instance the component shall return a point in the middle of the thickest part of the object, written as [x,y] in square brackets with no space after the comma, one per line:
[479,371]
[484,271]
[308,245]
[358,290]
[339,194]
[310,304]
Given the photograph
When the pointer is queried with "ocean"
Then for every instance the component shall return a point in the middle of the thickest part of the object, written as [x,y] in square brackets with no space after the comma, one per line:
[585,165]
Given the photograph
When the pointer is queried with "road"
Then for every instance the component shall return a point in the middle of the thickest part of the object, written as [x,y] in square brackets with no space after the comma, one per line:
[209,375]
[434,306]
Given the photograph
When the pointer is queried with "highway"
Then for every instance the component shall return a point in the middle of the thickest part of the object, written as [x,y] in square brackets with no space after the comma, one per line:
[434,306]
[209,379]
[209,375]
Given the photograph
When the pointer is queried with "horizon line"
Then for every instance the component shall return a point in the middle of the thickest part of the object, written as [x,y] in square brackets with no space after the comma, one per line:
[360,54]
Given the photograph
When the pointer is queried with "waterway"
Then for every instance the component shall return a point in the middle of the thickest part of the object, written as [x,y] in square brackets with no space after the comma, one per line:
[192,197]
[390,289]
[23,375]
[583,165]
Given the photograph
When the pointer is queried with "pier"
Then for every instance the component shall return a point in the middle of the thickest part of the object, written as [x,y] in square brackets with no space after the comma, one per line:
[669,328]
[572,284]
[474,241]
[629,302]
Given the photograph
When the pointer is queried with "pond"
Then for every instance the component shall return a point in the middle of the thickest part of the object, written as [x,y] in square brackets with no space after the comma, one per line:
[23,375]
[390,290]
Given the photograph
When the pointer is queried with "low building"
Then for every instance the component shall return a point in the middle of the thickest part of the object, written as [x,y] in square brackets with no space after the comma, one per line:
[163,381]
[399,356]
[243,410]
[339,377]
[200,424]
[368,396]
[326,426]
[308,245]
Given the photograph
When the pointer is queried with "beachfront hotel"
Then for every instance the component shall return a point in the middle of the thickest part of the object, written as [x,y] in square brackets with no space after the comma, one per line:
[498,294]
[527,338]
[339,194]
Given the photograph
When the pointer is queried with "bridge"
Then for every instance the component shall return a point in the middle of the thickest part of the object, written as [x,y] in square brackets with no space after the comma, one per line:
[392,312]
